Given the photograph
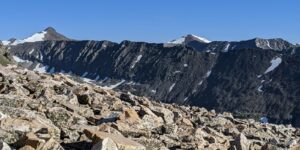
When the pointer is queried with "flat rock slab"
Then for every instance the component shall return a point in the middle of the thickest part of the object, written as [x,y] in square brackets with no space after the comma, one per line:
[121,142]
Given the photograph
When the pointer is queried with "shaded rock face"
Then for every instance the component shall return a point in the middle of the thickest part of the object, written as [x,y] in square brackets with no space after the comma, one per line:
[5,57]
[226,76]
[42,111]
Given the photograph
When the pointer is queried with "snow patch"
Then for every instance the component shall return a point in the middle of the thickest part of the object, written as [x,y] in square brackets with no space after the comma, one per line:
[185,99]
[208,74]
[202,39]
[177,71]
[227,47]
[200,83]
[104,45]
[41,69]
[137,60]
[114,85]
[34,38]
[178,41]
[268,44]
[87,80]
[85,74]
[31,51]
[153,91]
[41,57]
[171,87]
[97,78]
[259,89]
[19,60]
[185,65]
[275,62]
[5,43]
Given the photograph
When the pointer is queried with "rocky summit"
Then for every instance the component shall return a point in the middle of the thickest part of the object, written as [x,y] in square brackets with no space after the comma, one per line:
[58,111]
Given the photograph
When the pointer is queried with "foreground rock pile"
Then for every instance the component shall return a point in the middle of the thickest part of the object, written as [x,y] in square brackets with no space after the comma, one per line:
[41,111]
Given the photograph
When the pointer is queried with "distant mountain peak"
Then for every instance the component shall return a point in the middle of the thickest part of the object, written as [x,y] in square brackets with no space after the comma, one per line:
[49,34]
[195,37]
[53,35]
[50,29]
[188,38]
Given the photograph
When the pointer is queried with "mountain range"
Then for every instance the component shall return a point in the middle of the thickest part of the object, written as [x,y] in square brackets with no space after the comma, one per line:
[253,78]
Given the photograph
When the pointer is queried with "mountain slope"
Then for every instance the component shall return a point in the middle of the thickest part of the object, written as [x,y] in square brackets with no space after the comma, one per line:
[241,77]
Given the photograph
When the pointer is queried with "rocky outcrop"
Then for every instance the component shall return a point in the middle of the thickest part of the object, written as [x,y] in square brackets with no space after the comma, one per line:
[5,57]
[44,111]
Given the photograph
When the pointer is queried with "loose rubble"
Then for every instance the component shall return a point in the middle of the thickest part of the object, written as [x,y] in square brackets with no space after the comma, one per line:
[43,111]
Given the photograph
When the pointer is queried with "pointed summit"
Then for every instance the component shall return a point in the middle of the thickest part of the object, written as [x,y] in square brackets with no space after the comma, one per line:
[53,35]
[189,38]
[50,29]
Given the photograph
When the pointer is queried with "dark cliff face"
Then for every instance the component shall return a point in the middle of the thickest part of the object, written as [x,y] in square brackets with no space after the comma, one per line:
[227,76]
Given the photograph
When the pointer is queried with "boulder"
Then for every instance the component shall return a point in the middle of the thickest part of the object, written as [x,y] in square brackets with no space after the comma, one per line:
[32,141]
[187,122]
[63,118]
[130,116]
[15,122]
[241,142]
[4,146]
[166,114]
[105,144]
[84,99]
[121,142]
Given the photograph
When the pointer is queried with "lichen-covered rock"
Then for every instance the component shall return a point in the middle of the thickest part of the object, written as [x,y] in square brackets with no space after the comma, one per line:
[63,118]
[15,122]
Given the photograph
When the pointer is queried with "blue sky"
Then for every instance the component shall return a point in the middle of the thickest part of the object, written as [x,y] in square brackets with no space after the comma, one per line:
[153,20]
